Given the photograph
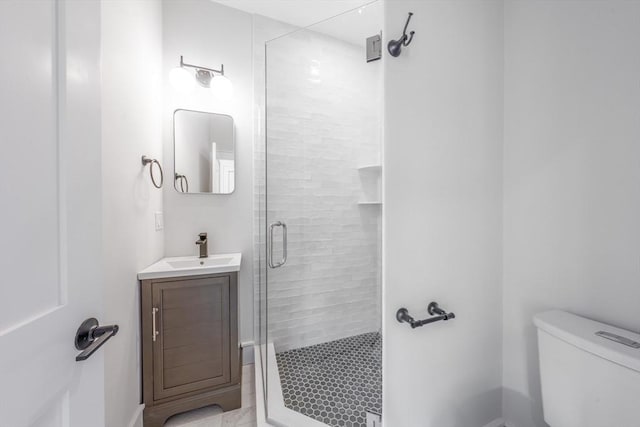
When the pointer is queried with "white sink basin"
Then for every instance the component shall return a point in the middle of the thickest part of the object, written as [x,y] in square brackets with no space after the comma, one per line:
[200,262]
[192,266]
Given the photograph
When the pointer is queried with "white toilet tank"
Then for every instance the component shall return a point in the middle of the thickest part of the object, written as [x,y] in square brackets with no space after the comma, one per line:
[587,380]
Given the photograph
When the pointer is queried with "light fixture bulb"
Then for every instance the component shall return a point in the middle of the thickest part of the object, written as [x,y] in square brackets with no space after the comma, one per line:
[222,87]
[182,80]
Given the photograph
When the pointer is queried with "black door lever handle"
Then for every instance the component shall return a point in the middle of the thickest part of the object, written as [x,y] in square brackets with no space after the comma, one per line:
[90,337]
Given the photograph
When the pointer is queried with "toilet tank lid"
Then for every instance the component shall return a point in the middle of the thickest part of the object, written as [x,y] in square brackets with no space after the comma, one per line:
[581,333]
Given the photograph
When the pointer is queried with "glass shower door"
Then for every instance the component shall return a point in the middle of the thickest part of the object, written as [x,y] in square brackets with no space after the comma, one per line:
[320,317]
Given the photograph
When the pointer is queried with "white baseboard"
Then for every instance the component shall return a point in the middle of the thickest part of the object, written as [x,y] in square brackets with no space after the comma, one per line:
[136,419]
[248,356]
[498,422]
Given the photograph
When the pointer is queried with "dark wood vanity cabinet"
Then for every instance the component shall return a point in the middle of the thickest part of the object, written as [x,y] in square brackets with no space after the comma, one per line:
[190,350]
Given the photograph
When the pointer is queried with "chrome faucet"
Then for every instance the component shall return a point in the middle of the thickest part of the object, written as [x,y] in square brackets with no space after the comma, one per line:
[204,245]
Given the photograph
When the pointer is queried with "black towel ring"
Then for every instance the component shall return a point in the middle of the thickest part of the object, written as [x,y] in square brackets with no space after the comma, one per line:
[183,182]
[146,161]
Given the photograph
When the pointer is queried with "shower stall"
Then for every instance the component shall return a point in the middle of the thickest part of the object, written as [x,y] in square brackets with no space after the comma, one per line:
[318,221]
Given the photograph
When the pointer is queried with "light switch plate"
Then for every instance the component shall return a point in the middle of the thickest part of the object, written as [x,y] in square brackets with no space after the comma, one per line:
[159,221]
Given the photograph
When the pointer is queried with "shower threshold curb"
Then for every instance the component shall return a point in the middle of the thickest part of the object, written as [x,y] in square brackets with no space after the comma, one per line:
[278,414]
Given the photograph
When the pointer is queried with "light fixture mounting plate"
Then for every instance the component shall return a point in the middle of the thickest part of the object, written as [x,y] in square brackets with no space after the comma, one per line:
[203,77]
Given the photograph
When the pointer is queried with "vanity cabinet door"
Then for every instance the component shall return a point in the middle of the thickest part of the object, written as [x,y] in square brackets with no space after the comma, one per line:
[192,347]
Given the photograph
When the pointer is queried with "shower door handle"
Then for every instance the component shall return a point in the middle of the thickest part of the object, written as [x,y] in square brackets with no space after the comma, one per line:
[283,261]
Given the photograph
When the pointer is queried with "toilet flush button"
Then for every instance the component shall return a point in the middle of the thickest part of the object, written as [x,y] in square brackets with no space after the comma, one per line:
[619,339]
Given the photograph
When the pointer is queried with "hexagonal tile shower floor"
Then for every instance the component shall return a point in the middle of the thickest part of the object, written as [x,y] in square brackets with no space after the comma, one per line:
[334,382]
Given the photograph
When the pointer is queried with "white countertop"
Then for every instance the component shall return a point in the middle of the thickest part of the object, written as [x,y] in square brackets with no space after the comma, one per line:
[192,266]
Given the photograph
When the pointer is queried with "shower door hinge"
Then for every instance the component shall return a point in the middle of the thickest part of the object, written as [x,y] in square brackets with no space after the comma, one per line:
[374,49]
[373,419]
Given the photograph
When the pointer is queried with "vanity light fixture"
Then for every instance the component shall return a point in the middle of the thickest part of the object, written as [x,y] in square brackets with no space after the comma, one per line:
[184,80]
[222,87]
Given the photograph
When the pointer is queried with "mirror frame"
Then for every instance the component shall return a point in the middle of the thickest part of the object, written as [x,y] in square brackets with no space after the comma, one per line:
[235,162]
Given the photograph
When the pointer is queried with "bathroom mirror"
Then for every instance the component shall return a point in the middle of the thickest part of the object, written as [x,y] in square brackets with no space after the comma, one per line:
[204,152]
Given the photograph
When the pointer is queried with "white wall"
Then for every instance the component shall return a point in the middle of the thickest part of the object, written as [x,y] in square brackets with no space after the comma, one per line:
[571,174]
[209,34]
[323,122]
[131,127]
[442,176]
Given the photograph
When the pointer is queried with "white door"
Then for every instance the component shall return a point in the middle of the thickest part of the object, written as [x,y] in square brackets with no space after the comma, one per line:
[50,195]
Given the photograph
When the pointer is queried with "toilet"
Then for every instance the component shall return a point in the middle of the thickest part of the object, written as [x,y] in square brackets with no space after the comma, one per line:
[589,372]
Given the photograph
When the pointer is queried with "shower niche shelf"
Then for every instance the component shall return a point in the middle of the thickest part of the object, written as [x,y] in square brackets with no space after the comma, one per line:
[370,168]
[370,181]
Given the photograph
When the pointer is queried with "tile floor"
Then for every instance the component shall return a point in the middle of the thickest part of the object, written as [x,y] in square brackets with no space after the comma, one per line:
[212,416]
[334,382]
